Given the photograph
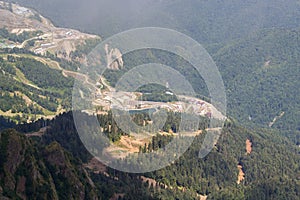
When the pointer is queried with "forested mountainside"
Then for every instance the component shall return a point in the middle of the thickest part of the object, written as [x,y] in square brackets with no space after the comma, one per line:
[32,171]
[260,73]
[256,48]
[55,154]
[259,68]
[37,64]
[31,89]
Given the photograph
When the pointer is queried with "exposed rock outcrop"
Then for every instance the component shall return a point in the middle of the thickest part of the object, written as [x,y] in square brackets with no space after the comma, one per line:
[114,58]
[241,175]
[248,146]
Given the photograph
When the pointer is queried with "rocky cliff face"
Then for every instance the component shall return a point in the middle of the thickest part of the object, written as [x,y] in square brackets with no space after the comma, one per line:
[28,171]
[114,58]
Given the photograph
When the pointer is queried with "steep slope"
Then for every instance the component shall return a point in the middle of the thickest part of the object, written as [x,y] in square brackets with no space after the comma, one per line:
[259,69]
[260,72]
[261,75]
[271,170]
[37,61]
[31,89]
[29,171]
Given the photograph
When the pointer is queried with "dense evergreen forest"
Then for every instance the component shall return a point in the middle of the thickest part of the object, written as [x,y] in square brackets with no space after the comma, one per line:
[256,47]
[271,169]
[261,75]
[40,74]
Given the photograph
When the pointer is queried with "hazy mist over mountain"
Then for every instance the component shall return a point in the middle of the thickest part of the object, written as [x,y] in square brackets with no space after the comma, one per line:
[65,132]
[248,28]
[207,21]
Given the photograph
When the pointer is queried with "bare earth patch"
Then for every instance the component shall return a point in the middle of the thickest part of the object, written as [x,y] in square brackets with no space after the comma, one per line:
[241,175]
[267,64]
[125,146]
[40,133]
[248,146]
[96,166]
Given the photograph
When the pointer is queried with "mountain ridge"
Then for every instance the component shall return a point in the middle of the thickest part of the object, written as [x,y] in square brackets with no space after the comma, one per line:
[44,158]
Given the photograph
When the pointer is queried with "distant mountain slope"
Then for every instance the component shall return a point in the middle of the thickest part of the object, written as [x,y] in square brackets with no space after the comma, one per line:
[259,63]
[254,66]
[25,28]
[206,21]
[37,61]
[261,74]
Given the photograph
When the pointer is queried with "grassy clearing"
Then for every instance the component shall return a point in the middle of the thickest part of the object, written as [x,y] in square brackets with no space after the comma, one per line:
[21,78]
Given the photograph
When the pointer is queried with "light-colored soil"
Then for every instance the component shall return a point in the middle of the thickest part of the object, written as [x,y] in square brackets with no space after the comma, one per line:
[25,98]
[51,63]
[47,113]
[202,197]
[275,119]
[125,146]
[241,175]
[150,181]
[40,133]
[21,78]
[248,146]
[267,64]
[131,144]
[9,113]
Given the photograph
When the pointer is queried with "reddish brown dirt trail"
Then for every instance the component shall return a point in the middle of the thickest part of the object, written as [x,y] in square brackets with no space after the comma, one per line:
[248,146]
[241,175]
